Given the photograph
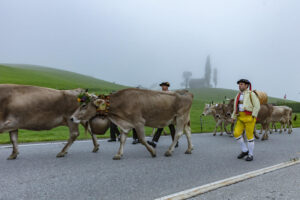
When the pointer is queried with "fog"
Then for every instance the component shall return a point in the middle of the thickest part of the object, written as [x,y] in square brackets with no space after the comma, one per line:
[143,42]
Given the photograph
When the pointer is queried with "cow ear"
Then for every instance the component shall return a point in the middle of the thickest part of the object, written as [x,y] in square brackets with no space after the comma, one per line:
[98,102]
[86,90]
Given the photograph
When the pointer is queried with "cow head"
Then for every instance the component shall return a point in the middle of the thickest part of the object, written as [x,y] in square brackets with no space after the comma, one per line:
[229,108]
[208,109]
[87,109]
[219,110]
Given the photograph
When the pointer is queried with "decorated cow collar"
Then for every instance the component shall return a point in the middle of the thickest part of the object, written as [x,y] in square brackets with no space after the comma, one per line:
[103,108]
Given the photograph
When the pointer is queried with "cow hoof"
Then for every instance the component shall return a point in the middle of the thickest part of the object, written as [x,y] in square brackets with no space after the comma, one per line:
[256,137]
[153,155]
[214,134]
[117,157]
[168,154]
[188,151]
[61,154]
[95,150]
[12,157]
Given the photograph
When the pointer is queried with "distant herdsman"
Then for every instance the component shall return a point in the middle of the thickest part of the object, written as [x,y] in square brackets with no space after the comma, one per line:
[246,108]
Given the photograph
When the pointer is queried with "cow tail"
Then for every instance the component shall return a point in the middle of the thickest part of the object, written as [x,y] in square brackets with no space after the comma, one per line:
[295,118]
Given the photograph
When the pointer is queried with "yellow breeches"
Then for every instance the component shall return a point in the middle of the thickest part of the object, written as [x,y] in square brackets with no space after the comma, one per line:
[247,123]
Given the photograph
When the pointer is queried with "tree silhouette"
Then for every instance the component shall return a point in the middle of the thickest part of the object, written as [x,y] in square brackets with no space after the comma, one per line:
[186,78]
[215,78]
[207,75]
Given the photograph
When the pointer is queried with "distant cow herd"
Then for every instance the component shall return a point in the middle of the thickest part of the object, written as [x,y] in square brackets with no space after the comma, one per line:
[38,108]
[268,115]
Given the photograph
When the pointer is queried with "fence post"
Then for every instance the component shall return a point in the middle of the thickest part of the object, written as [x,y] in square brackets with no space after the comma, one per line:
[201,123]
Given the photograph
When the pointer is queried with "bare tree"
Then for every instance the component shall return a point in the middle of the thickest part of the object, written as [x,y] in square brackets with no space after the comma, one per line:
[186,78]
[207,75]
[215,78]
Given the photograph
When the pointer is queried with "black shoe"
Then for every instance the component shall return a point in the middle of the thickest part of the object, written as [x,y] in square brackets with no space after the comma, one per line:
[111,140]
[151,143]
[249,158]
[242,155]
[136,141]
[177,144]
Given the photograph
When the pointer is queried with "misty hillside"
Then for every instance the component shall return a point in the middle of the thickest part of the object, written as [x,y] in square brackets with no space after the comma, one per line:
[61,79]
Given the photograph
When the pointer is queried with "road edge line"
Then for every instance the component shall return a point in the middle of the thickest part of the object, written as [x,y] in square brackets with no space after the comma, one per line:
[228,181]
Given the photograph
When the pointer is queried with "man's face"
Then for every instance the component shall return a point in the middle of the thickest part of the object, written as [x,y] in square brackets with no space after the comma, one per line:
[243,86]
[164,88]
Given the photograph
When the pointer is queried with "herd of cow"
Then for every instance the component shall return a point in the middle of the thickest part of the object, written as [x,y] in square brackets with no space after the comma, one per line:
[268,115]
[38,108]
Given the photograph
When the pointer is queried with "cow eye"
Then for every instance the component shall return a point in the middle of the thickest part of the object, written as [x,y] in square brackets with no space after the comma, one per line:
[84,105]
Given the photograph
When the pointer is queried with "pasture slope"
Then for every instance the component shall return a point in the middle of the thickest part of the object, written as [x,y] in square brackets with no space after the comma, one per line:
[60,79]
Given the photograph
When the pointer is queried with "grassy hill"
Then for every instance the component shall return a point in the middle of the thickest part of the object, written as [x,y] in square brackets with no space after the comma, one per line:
[60,79]
[52,78]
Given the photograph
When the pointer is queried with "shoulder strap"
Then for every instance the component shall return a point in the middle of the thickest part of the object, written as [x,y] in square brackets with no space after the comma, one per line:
[251,98]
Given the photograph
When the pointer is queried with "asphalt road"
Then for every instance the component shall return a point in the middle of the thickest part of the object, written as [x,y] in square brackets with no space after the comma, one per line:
[38,174]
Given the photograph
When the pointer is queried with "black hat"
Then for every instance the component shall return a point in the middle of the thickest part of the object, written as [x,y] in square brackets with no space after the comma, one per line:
[165,84]
[244,81]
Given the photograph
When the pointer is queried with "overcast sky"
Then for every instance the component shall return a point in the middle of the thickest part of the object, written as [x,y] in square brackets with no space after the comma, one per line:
[141,42]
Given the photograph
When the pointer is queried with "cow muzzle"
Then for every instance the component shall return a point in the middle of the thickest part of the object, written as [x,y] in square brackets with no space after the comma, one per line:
[75,120]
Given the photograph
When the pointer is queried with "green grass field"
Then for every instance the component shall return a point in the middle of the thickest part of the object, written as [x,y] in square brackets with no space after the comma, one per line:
[59,79]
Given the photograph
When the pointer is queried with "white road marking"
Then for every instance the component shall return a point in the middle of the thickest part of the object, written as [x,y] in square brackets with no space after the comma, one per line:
[228,181]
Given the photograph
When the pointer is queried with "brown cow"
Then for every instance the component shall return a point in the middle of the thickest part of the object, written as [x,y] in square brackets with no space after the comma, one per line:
[37,108]
[283,115]
[218,111]
[264,118]
[136,108]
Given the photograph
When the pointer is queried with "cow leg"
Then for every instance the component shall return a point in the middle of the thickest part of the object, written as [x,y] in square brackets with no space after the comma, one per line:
[216,128]
[281,124]
[74,132]
[123,137]
[95,142]
[14,140]
[290,126]
[265,136]
[225,128]
[141,135]
[222,126]
[272,127]
[178,134]
[187,130]
[275,127]
[232,127]
[256,135]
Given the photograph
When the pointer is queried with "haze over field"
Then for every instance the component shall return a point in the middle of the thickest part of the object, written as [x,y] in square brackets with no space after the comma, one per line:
[135,42]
